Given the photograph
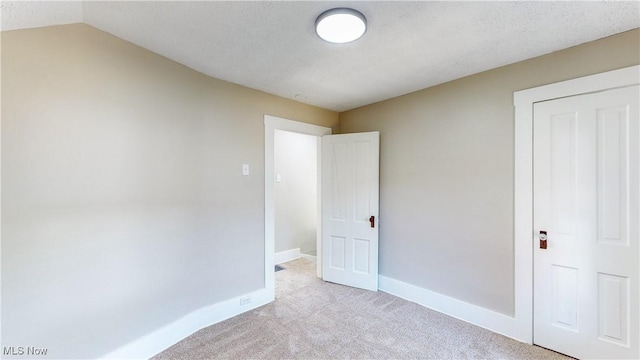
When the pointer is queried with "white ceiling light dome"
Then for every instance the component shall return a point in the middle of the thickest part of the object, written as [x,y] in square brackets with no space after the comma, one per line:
[341,25]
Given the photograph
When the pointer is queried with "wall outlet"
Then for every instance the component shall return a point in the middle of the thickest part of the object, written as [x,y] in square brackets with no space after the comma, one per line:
[245,300]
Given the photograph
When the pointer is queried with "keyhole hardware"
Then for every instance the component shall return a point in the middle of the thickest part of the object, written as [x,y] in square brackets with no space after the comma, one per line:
[543,239]
[372,220]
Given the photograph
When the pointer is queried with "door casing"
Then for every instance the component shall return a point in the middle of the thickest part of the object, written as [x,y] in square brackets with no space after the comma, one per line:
[523,181]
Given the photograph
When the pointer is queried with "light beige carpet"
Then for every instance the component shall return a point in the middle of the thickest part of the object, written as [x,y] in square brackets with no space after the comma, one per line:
[311,319]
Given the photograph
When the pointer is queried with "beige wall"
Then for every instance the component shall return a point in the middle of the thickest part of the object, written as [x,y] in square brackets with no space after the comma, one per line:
[123,203]
[446,181]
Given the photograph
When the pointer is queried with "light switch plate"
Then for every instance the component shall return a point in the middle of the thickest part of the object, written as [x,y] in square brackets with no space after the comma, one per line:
[245,169]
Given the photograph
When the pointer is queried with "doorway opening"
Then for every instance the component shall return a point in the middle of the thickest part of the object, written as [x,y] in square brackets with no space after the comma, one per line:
[296,196]
[274,127]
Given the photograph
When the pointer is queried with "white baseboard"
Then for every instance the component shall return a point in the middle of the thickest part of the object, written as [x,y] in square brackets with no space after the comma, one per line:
[153,343]
[309,257]
[474,314]
[287,255]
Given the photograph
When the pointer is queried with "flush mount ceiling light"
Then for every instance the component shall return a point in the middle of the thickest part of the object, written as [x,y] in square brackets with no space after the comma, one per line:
[341,25]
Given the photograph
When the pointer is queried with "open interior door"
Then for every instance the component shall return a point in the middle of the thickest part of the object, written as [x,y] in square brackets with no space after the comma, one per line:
[350,183]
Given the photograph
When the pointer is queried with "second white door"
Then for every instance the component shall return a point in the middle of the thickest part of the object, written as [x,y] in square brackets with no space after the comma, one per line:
[586,218]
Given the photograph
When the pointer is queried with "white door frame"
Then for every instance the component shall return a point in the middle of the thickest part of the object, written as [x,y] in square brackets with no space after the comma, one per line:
[523,190]
[271,124]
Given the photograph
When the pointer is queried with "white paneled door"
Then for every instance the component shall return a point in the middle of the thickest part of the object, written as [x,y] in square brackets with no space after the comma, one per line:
[586,215]
[350,173]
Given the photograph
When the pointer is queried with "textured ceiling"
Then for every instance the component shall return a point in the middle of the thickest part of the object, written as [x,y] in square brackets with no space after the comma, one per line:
[272,46]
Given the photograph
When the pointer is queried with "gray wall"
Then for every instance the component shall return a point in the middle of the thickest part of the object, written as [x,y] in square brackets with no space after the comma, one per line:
[446,172]
[123,203]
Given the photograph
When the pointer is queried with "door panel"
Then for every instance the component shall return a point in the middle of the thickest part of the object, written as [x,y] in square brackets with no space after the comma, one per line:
[612,189]
[349,198]
[613,308]
[586,197]
[565,297]
[563,158]
[361,253]
[338,169]
[337,249]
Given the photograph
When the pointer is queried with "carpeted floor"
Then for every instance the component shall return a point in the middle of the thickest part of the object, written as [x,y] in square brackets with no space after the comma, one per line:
[311,319]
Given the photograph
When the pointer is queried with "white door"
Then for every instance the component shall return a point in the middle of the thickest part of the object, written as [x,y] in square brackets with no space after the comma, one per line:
[586,198]
[350,209]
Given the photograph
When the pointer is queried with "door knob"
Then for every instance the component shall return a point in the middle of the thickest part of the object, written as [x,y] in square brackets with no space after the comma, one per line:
[543,239]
